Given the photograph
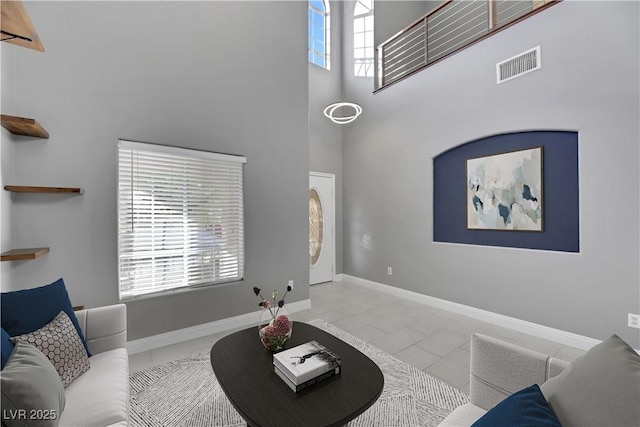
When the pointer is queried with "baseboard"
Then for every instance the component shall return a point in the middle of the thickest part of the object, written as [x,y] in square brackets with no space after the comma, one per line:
[248,319]
[557,335]
[198,331]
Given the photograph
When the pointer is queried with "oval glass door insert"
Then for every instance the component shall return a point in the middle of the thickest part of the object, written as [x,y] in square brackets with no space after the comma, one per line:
[315,227]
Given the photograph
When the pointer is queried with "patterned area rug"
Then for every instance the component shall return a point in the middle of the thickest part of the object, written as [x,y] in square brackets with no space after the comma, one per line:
[185,393]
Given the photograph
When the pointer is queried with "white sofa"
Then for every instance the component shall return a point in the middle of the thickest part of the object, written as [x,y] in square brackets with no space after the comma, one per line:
[499,369]
[100,396]
[600,388]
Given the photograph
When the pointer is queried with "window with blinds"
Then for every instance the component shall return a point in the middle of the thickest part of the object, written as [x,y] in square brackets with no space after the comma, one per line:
[180,218]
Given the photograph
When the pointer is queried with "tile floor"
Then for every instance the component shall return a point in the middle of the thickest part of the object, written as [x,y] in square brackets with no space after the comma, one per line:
[431,339]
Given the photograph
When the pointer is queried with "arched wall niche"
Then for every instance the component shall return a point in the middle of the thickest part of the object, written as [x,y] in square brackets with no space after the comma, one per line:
[560,200]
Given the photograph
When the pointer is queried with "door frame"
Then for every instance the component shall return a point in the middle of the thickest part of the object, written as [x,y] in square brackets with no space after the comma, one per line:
[333,216]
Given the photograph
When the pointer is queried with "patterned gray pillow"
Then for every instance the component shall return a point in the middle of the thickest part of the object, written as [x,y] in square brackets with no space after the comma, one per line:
[60,342]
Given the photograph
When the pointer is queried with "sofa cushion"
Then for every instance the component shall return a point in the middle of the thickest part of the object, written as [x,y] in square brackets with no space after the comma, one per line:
[464,415]
[100,397]
[525,408]
[26,310]
[32,393]
[7,347]
[60,343]
[600,388]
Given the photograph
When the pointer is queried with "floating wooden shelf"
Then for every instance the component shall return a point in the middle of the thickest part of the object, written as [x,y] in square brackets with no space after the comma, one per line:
[16,26]
[30,189]
[23,254]
[23,126]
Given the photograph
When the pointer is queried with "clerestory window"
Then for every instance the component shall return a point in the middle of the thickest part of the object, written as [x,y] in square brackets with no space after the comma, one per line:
[319,32]
[363,58]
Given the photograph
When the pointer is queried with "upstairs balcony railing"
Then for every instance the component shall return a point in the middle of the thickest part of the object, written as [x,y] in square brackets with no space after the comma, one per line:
[453,26]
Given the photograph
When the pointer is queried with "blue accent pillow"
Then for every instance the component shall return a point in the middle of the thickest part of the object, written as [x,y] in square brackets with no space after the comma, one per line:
[526,408]
[7,347]
[28,310]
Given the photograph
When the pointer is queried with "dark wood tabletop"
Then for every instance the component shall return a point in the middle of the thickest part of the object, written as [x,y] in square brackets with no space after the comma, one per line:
[245,371]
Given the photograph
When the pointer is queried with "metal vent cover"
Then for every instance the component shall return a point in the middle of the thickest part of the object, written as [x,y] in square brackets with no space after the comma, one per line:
[518,65]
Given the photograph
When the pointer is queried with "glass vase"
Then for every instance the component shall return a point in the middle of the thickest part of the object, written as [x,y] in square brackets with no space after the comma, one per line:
[275,328]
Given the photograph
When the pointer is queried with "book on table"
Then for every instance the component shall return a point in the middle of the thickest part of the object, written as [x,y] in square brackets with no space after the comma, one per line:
[306,363]
[307,383]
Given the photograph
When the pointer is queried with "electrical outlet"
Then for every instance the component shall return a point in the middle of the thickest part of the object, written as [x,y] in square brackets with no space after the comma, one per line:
[291,283]
[634,321]
[389,271]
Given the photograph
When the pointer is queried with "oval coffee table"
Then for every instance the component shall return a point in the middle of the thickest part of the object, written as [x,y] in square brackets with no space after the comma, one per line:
[245,371]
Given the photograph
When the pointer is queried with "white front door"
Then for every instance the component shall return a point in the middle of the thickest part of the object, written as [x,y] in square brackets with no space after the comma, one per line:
[321,227]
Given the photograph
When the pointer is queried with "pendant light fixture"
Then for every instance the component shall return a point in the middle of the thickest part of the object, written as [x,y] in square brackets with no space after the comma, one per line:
[330,110]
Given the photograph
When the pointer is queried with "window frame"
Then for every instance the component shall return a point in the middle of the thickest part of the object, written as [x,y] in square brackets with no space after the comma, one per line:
[178,194]
[369,57]
[312,54]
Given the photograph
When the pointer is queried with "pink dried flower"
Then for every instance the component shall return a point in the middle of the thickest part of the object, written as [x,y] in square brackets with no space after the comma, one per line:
[265,304]
[282,325]
[269,331]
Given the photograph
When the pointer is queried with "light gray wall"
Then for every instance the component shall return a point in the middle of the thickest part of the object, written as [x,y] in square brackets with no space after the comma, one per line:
[325,137]
[392,16]
[220,76]
[7,141]
[588,83]
[113,70]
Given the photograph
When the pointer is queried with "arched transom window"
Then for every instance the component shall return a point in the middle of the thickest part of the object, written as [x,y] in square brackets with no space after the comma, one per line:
[319,42]
[363,58]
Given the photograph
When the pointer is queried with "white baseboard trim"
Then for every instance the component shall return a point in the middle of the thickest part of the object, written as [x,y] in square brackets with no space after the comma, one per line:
[557,335]
[198,331]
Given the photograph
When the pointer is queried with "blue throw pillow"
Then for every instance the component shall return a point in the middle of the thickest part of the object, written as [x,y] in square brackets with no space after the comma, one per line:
[7,347]
[28,310]
[526,408]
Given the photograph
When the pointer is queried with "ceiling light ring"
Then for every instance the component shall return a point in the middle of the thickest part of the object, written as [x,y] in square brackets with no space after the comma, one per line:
[341,120]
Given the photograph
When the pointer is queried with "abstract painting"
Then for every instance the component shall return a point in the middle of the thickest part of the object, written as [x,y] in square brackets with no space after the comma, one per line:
[504,191]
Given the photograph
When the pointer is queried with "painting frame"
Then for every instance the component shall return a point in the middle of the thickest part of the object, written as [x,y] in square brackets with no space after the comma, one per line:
[505,192]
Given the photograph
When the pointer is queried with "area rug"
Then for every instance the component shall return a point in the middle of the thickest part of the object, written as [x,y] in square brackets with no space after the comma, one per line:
[185,393]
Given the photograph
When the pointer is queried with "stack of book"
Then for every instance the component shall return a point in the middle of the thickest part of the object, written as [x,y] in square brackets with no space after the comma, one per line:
[302,366]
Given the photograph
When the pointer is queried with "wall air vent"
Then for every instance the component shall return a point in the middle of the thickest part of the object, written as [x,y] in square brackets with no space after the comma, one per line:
[518,65]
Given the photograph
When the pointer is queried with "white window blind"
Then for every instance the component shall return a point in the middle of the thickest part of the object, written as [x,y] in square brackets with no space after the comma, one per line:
[180,218]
